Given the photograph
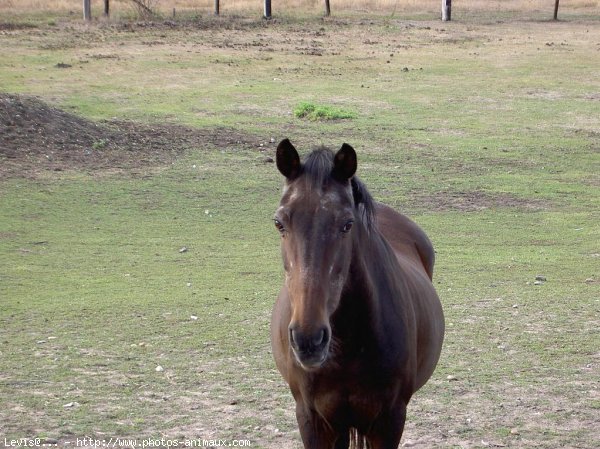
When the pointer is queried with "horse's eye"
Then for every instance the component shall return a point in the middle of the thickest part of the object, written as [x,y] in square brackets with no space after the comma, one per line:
[347,226]
[279,226]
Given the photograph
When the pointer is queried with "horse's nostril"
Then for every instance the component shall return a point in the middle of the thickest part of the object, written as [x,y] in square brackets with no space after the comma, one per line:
[292,339]
[308,343]
[321,338]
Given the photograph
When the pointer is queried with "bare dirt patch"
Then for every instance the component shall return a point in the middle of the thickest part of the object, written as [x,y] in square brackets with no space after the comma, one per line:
[36,137]
[476,200]
[8,26]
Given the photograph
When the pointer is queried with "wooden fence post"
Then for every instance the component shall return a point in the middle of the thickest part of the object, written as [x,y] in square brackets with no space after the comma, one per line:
[217,8]
[327,8]
[106,8]
[87,10]
[267,9]
[556,10]
[446,10]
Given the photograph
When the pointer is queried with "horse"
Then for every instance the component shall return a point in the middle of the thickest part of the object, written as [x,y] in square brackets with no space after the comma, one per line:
[357,327]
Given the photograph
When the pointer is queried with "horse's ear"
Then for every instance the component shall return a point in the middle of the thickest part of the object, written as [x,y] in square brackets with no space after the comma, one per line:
[344,163]
[288,161]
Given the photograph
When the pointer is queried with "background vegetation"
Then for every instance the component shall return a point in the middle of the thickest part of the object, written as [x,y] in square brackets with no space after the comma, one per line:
[420,7]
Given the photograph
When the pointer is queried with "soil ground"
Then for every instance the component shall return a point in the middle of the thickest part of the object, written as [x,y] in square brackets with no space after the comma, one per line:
[36,137]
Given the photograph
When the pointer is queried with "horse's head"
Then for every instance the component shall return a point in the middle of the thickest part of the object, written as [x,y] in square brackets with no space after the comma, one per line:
[315,218]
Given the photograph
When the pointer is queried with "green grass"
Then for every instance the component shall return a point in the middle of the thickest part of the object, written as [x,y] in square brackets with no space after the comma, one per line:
[118,295]
[313,111]
[489,141]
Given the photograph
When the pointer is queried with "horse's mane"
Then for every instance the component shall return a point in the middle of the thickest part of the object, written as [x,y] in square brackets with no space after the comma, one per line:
[317,170]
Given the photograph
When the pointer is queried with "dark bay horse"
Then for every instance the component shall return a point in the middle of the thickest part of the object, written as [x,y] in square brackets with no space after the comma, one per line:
[357,327]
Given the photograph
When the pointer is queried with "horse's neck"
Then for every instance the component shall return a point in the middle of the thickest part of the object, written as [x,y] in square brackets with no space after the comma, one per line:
[369,278]
[370,303]
[374,259]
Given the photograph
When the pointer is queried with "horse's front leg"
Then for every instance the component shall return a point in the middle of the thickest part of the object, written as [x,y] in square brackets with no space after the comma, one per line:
[315,432]
[387,429]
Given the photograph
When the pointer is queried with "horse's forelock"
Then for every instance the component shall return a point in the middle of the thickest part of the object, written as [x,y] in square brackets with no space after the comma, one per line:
[317,167]
[316,172]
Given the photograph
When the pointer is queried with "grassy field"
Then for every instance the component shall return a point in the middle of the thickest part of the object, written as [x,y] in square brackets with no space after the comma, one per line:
[135,296]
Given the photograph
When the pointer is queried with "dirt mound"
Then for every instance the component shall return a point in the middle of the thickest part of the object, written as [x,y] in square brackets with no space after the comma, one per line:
[35,137]
[10,26]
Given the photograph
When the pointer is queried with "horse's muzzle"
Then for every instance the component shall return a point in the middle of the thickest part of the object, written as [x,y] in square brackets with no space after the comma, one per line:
[311,349]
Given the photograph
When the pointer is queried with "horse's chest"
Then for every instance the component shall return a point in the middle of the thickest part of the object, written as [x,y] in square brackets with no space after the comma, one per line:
[349,397]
